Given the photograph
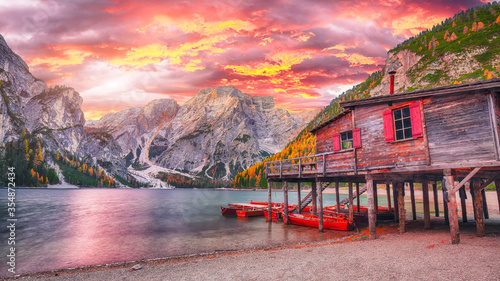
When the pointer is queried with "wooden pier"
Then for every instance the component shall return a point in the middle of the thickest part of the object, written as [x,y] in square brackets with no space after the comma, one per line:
[447,136]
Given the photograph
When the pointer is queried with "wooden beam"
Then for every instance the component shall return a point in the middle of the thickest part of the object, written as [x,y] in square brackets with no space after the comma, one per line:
[488,182]
[285,207]
[375,197]
[471,190]
[388,190]
[478,206]
[463,196]
[351,199]
[314,198]
[371,207]
[427,212]
[466,179]
[401,207]
[485,205]
[269,205]
[357,196]
[497,187]
[319,189]
[337,195]
[436,199]
[448,182]
[445,207]
[395,198]
[413,205]
[299,199]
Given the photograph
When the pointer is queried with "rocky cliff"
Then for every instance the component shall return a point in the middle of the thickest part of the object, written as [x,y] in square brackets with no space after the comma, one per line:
[221,131]
[51,114]
[133,127]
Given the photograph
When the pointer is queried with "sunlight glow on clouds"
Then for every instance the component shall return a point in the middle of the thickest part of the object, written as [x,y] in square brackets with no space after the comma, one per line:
[119,54]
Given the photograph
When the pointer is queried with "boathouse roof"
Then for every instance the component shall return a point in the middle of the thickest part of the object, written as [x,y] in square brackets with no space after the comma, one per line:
[402,96]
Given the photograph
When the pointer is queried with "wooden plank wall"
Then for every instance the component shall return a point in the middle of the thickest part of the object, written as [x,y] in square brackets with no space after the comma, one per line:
[375,152]
[324,142]
[458,128]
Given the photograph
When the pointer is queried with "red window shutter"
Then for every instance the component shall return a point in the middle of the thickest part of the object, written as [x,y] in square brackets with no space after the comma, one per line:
[416,121]
[388,128]
[336,142]
[356,138]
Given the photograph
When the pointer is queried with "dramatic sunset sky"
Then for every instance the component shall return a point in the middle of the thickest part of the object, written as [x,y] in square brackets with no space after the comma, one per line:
[119,54]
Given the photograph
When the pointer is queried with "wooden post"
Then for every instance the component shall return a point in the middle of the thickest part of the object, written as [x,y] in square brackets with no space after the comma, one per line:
[401,207]
[337,195]
[388,189]
[320,201]
[497,187]
[299,200]
[436,199]
[351,202]
[357,196]
[478,206]
[485,205]
[395,198]
[285,204]
[375,197]
[471,190]
[449,195]
[445,205]
[463,196]
[427,211]
[269,205]
[371,207]
[314,199]
[413,206]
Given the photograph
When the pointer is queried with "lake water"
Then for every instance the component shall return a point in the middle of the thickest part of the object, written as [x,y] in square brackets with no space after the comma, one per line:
[72,228]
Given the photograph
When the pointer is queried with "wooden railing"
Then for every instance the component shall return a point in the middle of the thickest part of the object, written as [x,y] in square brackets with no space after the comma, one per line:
[302,166]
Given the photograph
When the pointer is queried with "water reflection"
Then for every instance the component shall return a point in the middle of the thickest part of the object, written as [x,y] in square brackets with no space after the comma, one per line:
[71,228]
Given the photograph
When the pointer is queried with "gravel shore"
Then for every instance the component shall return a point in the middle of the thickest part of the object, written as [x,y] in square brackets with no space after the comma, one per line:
[416,255]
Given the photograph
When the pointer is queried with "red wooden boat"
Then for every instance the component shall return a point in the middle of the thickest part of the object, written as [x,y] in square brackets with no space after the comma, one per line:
[230,210]
[250,212]
[275,214]
[335,223]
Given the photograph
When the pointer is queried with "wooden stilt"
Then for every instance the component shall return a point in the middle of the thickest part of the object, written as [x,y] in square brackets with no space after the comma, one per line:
[463,196]
[375,197]
[445,206]
[351,202]
[448,184]
[299,200]
[427,211]
[436,200]
[388,190]
[314,199]
[320,209]
[357,196]
[395,198]
[401,207]
[413,205]
[471,190]
[269,205]
[337,195]
[485,205]
[371,207]
[497,187]
[285,197]
[478,205]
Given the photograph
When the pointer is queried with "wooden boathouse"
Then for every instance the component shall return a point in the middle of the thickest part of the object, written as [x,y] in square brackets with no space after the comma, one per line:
[446,134]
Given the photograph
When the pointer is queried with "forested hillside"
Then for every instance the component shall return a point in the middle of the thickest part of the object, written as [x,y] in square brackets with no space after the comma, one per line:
[460,49]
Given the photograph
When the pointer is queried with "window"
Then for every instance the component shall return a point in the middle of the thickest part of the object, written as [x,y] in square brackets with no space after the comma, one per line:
[346,140]
[402,123]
